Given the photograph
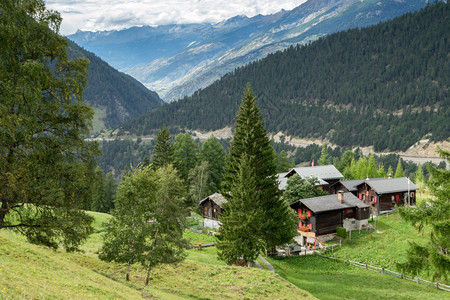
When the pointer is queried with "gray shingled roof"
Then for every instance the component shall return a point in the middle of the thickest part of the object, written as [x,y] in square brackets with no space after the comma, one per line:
[320,172]
[391,185]
[351,184]
[331,202]
[217,198]
[282,180]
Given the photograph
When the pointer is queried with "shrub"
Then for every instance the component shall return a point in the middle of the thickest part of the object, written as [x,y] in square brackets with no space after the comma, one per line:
[341,232]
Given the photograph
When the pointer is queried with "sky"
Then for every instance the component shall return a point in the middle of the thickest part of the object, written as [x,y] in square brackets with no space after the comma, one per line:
[99,15]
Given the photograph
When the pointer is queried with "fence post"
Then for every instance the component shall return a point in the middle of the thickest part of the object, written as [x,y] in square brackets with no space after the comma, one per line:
[382,270]
[437,285]
[366,266]
[418,280]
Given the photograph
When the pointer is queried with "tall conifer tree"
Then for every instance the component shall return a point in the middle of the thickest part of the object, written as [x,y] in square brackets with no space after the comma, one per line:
[251,147]
[163,149]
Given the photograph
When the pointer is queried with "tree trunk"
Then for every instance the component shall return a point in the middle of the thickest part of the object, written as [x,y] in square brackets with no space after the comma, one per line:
[150,263]
[131,246]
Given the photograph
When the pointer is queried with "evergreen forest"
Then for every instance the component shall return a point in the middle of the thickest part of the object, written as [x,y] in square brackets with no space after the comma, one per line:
[386,86]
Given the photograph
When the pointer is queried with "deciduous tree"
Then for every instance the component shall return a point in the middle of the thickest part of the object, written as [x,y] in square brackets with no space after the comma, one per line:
[213,153]
[300,188]
[46,166]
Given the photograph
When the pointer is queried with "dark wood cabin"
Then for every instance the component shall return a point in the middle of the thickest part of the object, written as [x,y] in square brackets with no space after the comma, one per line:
[385,194]
[212,208]
[322,215]
[326,175]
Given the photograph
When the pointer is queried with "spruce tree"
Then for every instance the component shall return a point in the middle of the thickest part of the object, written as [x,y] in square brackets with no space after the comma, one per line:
[324,159]
[372,169]
[213,153]
[399,170]
[163,149]
[251,149]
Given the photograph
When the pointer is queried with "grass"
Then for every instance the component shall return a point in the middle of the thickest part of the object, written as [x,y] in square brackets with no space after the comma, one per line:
[384,247]
[30,271]
[327,279]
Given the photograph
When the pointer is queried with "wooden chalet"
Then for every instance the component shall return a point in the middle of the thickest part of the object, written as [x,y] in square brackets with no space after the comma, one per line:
[322,215]
[326,175]
[385,194]
[212,208]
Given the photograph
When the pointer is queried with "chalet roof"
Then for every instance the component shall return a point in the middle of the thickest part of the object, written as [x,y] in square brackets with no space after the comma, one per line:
[352,184]
[217,198]
[391,185]
[330,202]
[320,172]
[282,180]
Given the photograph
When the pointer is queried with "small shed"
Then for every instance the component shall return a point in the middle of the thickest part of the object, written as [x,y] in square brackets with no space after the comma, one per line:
[385,194]
[322,215]
[212,208]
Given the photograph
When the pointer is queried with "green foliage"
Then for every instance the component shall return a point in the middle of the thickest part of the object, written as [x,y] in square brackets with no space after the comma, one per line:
[249,183]
[47,167]
[239,236]
[185,154]
[385,86]
[163,154]
[437,215]
[341,232]
[213,152]
[283,163]
[300,188]
[148,220]
[198,184]
[399,169]
[104,192]
[324,160]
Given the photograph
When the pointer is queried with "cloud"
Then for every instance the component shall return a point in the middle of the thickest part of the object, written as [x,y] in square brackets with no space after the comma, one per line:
[97,15]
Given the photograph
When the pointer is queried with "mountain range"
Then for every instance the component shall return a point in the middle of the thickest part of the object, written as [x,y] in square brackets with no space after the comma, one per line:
[176,60]
[384,86]
[117,95]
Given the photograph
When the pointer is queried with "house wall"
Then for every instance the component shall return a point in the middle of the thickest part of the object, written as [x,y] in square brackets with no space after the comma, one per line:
[208,223]
[327,222]
[330,188]
[211,210]
[386,201]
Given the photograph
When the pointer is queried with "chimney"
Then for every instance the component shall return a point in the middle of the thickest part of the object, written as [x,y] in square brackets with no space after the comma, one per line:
[341,196]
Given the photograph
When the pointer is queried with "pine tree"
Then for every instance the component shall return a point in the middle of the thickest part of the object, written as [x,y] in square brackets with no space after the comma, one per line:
[399,169]
[324,160]
[163,149]
[251,150]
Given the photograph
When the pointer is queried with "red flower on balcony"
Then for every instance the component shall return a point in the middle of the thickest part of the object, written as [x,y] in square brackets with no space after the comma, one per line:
[303,216]
[304,228]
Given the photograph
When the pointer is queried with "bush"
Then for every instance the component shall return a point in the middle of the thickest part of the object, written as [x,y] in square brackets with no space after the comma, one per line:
[341,232]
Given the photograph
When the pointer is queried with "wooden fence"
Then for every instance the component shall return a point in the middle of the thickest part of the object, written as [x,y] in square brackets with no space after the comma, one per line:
[439,286]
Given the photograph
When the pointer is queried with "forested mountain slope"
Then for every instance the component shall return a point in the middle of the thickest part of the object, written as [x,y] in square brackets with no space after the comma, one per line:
[176,60]
[122,96]
[386,86]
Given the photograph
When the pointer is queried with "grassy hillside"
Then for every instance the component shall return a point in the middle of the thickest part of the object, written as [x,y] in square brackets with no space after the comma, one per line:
[383,247]
[30,271]
[327,279]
